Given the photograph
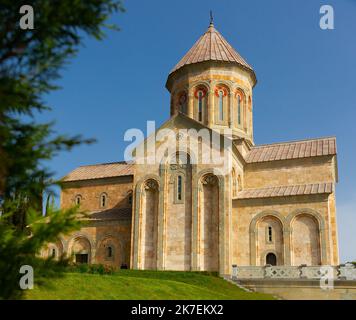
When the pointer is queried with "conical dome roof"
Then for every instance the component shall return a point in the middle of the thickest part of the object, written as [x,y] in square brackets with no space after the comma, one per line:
[212,46]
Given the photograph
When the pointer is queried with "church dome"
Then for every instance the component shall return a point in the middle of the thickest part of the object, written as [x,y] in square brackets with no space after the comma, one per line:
[212,46]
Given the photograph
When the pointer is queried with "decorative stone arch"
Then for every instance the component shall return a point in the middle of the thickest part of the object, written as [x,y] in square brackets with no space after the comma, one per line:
[321,228]
[116,238]
[238,113]
[77,236]
[266,213]
[253,234]
[200,105]
[223,249]
[225,88]
[58,246]
[227,83]
[136,263]
[142,181]
[198,83]
[242,89]
[291,216]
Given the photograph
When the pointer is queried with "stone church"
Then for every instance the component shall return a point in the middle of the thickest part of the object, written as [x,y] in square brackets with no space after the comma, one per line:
[267,204]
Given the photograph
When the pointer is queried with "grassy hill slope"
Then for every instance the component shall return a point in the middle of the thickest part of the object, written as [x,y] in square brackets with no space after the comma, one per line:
[133,284]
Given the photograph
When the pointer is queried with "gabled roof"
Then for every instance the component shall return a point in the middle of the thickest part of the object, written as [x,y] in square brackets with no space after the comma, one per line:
[100,171]
[284,191]
[212,46]
[292,150]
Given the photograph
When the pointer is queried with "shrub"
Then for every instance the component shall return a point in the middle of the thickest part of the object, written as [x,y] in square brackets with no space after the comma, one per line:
[92,268]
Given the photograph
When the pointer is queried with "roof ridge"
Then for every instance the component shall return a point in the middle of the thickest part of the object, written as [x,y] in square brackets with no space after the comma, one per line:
[105,163]
[292,141]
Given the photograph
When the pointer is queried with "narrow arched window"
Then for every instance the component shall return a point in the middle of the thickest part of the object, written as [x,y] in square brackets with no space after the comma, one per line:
[200,106]
[53,253]
[269,234]
[239,110]
[221,105]
[109,252]
[179,188]
[103,200]
[78,199]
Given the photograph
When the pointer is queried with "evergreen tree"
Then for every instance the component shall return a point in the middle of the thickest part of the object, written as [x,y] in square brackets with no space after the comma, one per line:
[30,62]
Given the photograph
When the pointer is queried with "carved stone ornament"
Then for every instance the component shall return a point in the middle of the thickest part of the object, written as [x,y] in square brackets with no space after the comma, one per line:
[209,180]
[151,184]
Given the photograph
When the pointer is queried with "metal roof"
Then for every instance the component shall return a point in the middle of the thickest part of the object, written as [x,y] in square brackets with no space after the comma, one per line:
[212,46]
[283,191]
[292,150]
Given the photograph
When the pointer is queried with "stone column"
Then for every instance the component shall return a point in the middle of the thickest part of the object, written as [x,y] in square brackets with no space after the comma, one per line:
[161,222]
[287,247]
[136,232]
[253,248]
[231,109]
[195,212]
[211,108]
[191,105]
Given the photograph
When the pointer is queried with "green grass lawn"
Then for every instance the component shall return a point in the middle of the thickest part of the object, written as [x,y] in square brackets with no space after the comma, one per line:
[134,284]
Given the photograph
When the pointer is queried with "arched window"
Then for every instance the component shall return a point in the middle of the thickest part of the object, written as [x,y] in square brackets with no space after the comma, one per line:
[200,104]
[221,105]
[179,188]
[103,200]
[239,110]
[109,252]
[78,199]
[53,253]
[269,234]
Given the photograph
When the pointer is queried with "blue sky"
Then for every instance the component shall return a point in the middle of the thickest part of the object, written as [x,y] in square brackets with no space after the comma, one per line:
[306,86]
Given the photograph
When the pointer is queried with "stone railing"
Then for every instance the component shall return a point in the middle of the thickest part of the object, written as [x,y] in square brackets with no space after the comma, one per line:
[342,272]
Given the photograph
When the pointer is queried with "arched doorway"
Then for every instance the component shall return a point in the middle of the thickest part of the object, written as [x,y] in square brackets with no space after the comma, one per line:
[108,252]
[271,259]
[81,250]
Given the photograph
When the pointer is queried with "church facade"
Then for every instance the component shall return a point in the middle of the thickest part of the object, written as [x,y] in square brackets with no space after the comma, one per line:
[263,204]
